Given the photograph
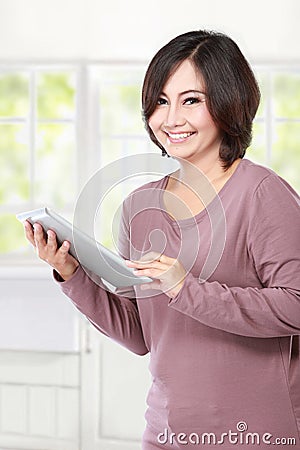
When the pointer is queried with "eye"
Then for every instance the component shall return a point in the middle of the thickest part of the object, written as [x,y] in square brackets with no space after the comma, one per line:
[162,101]
[193,100]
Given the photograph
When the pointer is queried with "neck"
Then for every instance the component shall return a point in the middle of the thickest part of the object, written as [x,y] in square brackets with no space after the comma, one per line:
[206,180]
[211,167]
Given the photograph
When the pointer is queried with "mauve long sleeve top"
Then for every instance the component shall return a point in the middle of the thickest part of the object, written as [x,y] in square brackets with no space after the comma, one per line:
[224,353]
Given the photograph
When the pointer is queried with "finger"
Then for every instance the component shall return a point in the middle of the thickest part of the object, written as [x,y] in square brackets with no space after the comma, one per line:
[147,258]
[51,242]
[150,272]
[29,232]
[153,285]
[167,260]
[138,263]
[64,249]
[40,242]
[145,265]
[38,233]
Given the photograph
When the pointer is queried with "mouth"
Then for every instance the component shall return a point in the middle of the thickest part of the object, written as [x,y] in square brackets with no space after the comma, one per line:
[179,137]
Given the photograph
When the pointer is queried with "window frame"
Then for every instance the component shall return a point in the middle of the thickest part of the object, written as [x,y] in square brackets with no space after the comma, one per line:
[270,119]
[87,116]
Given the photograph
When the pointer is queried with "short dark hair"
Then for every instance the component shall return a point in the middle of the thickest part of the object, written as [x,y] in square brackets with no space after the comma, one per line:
[232,91]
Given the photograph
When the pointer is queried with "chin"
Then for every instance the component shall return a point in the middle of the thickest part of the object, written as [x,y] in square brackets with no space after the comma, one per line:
[180,153]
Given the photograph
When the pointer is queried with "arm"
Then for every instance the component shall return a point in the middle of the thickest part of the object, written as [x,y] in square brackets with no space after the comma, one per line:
[111,313]
[274,246]
[270,310]
[266,312]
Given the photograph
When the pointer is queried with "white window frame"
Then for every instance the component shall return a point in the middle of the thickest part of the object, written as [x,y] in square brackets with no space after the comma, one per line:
[270,119]
[87,117]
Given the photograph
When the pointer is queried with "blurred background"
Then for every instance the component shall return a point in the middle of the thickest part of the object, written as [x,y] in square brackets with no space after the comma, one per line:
[70,79]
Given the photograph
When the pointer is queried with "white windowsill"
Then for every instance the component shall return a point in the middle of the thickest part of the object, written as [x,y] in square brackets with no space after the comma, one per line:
[22,272]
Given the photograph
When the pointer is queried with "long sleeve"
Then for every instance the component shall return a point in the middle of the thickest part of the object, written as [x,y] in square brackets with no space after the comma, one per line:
[273,245]
[112,314]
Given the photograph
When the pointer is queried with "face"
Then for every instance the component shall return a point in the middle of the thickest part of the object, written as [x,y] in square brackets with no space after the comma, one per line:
[181,121]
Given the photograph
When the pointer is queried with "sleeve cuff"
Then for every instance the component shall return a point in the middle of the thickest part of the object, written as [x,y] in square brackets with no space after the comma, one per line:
[60,280]
[177,297]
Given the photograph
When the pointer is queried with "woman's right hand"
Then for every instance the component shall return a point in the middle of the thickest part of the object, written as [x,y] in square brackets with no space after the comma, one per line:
[47,249]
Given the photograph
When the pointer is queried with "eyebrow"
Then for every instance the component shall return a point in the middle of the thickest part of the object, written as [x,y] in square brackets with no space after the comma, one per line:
[187,92]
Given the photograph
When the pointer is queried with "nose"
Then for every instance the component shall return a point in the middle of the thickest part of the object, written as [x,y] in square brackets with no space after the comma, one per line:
[174,116]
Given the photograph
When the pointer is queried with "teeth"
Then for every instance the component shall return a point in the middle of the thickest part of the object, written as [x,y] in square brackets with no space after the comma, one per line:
[180,135]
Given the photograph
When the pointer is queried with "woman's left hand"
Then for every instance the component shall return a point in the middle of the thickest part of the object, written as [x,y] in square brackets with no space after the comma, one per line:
[168,273]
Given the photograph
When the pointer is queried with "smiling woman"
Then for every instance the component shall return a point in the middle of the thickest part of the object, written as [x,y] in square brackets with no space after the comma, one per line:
[181,122]
[220,317]
[231,95]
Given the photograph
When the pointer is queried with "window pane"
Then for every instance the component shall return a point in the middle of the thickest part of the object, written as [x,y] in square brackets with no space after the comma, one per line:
[287,95]
[11,234]
[120,110]
[263,86]
[55,165]
[286,155]
[56,95]
[14,95]
[14,163]
[114,148]
[257,150]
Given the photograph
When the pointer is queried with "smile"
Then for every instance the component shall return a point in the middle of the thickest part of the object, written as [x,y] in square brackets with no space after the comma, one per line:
[179,136]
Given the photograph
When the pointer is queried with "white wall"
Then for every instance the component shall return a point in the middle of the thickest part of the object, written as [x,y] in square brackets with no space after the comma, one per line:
[38,408]
[135,29]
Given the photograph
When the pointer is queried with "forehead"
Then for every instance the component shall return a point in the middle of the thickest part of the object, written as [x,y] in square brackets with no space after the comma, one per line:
[185,77]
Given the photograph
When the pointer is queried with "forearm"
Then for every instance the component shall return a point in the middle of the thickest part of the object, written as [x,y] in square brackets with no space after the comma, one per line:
[266,312]
[113,315]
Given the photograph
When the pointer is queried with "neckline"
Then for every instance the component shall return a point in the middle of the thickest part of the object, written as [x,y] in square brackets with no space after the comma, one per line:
[202,214]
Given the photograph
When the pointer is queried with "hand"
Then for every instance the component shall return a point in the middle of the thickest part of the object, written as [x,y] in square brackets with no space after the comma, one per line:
[46,247]
[168,273]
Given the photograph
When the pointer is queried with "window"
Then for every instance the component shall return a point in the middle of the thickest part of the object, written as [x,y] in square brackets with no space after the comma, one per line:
[277,126]
[37,145]
[60,123]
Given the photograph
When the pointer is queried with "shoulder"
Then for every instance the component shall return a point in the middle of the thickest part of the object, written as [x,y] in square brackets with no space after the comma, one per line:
[271,204]
[156,184]
[272,216]
[253,174]
[261,181]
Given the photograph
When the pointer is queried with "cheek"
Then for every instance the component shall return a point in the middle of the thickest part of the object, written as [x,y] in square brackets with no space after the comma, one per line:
[154,122]
[206,121]
[203,115]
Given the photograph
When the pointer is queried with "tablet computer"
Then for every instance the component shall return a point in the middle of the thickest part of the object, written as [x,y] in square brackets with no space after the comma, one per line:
[91,254]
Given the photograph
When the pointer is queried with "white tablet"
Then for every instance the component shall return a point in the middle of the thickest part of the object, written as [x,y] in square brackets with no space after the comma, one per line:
[90,253]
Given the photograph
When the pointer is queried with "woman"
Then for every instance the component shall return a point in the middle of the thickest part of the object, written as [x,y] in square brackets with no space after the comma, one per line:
[223,339]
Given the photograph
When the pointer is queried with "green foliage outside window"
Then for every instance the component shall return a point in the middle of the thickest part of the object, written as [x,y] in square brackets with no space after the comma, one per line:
[55,96]
[37,148]
[14,95]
